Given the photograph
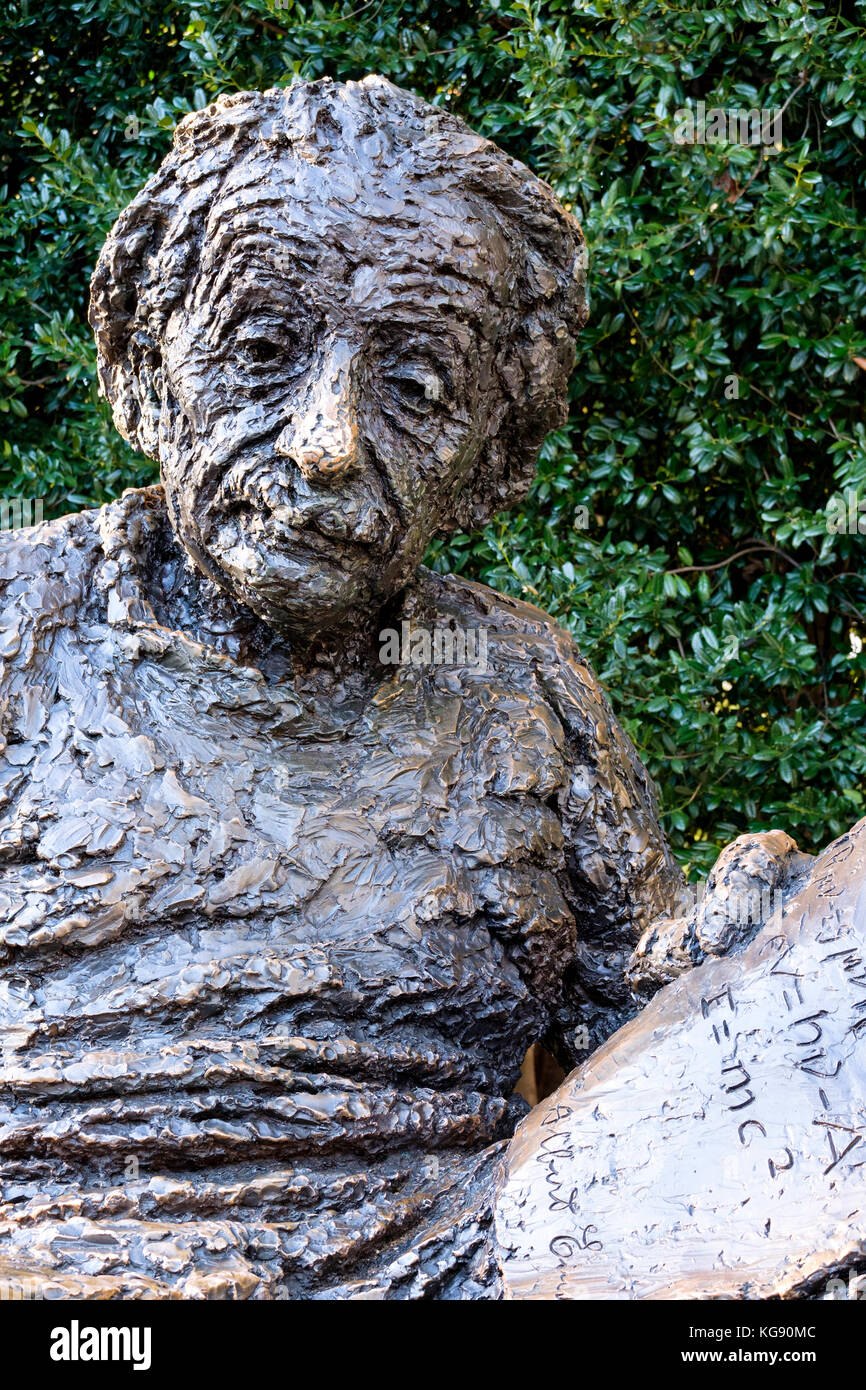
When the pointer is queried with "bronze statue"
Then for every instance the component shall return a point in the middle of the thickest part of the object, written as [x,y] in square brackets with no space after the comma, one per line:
[302,845]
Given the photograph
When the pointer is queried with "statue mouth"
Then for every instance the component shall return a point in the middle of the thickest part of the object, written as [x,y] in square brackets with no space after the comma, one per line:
[318,528]
[268,510]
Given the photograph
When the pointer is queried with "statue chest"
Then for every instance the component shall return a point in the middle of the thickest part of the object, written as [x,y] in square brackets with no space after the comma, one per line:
[239,845]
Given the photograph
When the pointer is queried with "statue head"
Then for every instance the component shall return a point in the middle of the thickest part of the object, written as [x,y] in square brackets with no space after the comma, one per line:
[343,324]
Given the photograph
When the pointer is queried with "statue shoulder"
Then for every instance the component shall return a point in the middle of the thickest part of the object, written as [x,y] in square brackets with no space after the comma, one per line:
[622,873]
[44,557]
[454,597]
[42,567]
[526,642]
[46,574]
[55,571]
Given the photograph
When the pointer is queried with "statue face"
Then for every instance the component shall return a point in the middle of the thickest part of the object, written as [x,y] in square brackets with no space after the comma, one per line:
[331,380]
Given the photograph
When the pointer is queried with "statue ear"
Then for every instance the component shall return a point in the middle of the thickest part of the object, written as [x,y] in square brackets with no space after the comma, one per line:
[131,292]
[533,374]
[541,320]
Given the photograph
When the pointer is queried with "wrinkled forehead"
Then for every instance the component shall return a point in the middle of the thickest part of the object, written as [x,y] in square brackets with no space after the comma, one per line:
[346,234]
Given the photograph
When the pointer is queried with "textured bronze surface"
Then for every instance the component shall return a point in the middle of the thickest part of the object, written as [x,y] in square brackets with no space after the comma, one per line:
[714,1147]
[280,921]
[283,903]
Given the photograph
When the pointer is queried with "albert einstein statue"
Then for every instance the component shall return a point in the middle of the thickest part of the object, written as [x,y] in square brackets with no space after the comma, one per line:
[279,919]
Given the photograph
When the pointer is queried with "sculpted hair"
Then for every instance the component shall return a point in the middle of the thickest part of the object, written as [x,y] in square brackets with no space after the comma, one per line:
[151,256]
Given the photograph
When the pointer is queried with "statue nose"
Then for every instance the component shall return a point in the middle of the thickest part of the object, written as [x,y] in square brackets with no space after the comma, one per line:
[321,436]
[319,452]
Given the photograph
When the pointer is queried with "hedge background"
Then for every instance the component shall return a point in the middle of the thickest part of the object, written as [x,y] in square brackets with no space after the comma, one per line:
[717,608]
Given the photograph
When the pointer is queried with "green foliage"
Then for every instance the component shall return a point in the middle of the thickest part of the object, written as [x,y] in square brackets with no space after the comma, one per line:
[717,607]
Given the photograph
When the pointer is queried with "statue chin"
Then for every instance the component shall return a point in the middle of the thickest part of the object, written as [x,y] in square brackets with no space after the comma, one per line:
[286,592]
[304,584]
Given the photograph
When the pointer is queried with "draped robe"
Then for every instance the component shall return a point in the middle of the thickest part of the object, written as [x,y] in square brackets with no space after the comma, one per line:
[268,968]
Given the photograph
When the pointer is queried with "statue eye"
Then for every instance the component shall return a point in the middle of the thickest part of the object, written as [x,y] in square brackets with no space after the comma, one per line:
[281,347]
[262,350]
[418,390]
[410,388]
